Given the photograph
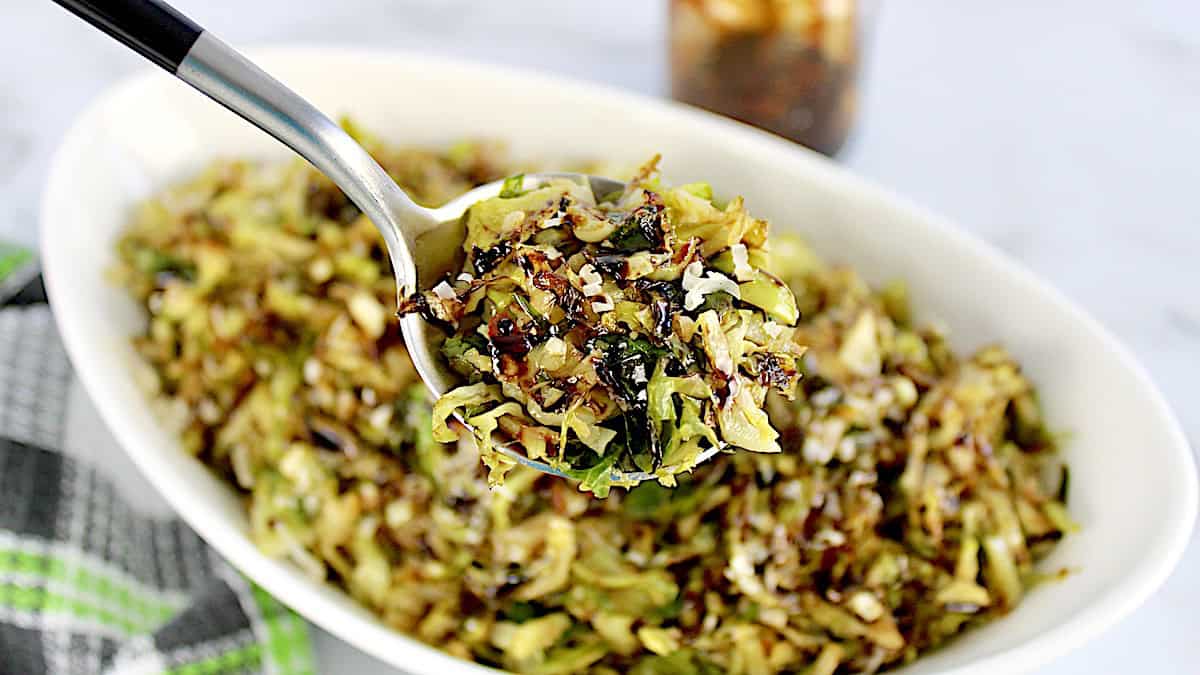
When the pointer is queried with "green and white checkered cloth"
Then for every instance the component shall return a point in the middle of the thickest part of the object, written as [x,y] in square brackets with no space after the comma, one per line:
[88,582]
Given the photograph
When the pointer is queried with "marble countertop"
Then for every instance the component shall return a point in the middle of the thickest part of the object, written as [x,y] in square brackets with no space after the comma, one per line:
[1065,133]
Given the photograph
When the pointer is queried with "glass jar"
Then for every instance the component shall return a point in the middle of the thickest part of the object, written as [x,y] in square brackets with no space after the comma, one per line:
[787,66]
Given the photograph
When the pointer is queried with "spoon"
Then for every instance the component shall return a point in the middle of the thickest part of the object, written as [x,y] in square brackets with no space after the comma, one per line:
[422,243]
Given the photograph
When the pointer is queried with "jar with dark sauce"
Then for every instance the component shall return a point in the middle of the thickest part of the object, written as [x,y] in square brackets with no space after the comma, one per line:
[787,66]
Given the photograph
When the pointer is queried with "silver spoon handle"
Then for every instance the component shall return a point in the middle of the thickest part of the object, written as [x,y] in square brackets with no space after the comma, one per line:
[160,33]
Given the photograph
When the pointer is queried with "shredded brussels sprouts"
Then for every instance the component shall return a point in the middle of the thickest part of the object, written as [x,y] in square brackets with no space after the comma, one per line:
[631,331]
[914,490]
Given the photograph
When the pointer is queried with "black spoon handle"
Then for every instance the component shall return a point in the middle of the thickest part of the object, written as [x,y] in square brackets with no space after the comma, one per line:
[151,28]
[160,33]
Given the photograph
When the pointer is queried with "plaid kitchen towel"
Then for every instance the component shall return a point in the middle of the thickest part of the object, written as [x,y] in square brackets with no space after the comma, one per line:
[88,583]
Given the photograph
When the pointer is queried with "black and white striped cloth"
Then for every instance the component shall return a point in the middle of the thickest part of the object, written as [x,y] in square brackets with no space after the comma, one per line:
[89,583]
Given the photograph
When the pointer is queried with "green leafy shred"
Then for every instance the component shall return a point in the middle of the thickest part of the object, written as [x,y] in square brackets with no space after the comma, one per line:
[513,186]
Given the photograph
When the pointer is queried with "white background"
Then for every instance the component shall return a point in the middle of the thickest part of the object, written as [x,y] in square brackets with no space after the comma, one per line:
[1065,132]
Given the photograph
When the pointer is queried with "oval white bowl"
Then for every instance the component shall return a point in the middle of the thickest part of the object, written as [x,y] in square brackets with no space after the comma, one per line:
[1133,481]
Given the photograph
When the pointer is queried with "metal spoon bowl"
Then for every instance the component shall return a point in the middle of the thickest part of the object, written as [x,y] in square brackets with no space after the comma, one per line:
[422,243]
[437,253]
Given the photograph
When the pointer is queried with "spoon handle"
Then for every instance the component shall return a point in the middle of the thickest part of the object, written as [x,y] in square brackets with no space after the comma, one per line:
[166,37]
[153,29]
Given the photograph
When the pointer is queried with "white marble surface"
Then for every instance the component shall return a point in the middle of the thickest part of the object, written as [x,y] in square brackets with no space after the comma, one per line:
[1067,133]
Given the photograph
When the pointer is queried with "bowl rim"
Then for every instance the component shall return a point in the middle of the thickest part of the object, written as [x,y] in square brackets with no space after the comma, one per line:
[363,629]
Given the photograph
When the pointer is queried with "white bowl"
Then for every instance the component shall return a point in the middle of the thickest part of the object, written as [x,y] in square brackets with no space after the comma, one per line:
[1133,484]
